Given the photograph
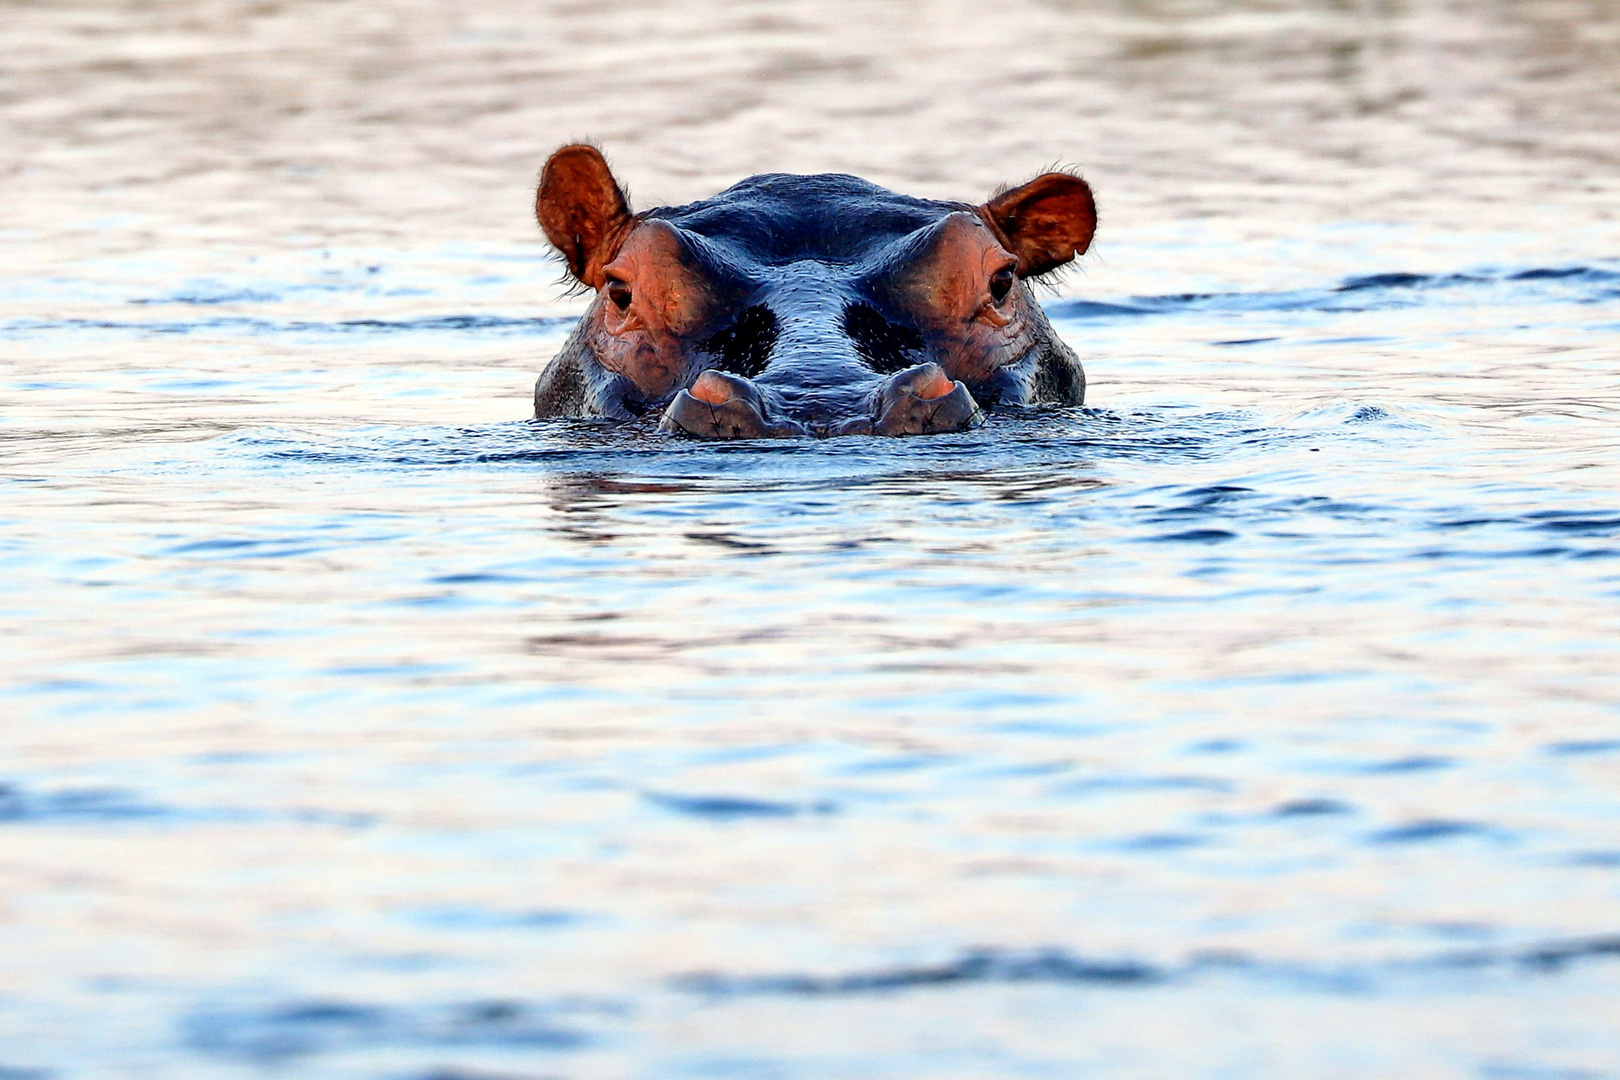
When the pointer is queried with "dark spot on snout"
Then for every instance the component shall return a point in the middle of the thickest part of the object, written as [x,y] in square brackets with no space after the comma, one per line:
[887,346]
[744,347]
[1055,381]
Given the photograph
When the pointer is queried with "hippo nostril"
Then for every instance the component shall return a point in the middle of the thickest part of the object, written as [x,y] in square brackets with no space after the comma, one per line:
[712,387]
[932,383]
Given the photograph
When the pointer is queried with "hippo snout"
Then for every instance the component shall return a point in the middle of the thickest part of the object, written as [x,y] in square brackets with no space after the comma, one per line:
[921,400]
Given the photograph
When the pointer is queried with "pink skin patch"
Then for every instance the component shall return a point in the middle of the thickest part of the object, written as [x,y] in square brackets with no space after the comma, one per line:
[936,387]
[712,389]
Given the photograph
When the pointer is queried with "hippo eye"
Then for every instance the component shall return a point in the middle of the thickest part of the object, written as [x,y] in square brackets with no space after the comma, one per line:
[619,293]
[1001,283]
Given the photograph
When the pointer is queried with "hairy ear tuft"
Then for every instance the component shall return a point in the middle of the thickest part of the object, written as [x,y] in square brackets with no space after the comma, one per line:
[1046,222]
[583,210]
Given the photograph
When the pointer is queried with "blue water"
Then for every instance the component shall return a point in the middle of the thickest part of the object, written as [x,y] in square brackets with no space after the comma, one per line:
[1259,718]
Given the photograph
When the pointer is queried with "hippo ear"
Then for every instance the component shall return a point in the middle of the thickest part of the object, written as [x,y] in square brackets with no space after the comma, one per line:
[1046,222]
[582,210]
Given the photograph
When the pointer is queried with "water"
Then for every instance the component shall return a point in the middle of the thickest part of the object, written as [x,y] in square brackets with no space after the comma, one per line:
[1257,719]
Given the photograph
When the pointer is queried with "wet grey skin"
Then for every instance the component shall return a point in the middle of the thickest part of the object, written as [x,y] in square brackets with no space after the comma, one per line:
[816,319]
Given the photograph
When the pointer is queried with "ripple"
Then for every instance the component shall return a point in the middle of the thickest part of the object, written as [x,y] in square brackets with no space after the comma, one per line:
[1415,763]
[1367,292]
[1433,829]
[110,806]
[725,808]
[975,967]
[303,1028]
[248,326]
[1312,808]
[1582,747]
[980,966]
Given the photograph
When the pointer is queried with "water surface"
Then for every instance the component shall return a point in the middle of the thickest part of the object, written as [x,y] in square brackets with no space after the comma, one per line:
[1257,719]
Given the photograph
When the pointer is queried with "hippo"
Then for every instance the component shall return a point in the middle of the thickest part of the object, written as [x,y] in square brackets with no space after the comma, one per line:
[820,305]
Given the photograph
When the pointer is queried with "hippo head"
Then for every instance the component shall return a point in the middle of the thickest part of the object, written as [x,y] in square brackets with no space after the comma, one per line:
[798,305]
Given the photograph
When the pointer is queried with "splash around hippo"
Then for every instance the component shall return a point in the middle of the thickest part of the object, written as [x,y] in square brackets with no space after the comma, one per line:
[808,305]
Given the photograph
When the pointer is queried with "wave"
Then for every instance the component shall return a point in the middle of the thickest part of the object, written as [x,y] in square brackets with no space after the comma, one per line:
[1061,966]
[244,325]
[1573,284]
[1581,284]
